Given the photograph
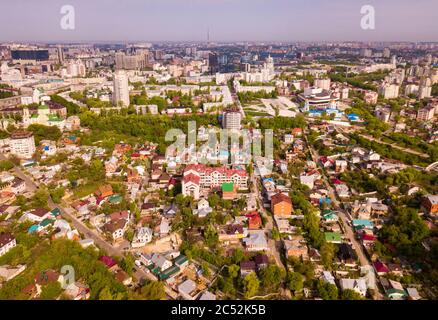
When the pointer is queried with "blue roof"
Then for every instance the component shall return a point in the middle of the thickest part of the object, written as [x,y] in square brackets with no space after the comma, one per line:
[33,228]
[365,223]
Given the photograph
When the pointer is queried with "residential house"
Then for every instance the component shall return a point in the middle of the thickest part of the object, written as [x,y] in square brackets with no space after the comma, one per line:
[357,285]
[229,191]
[187,290]
[203,208]
[116,228]
[78,291]
[256,241]
[122,277]
[296,248]
[246,267]
[161,262]
[38,215]
[104,191]
[430,205]
[261,261]
[143,236]
[380,267]
[281,205]
[328,277]
[232,233]
[7,242]
[254,220]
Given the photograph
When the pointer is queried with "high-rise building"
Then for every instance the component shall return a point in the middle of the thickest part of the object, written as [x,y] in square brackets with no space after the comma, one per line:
[121,89]
[389,91]
[386,53]
[213,62]
[323,83]
[25,56]
[367,53]
[60,55]
[22,144]
[231,119]
[132,62]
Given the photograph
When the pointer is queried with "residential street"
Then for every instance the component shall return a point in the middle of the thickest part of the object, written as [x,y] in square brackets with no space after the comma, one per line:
[68,214]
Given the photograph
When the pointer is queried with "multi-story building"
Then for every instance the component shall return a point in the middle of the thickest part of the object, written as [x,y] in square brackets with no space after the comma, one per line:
[231,119]
[323,83]
[426,113]
[121,89]
[389,91]
[200,178]
[371,97]
[22,144]
[318,98]
[133,62]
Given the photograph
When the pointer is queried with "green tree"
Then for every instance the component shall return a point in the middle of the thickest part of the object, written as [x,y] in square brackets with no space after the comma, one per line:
[327,291]
[51,291]
[349,294]
[233,270]
[211,236]
[153,290]
[6,165]
[271,276]
[251,285]
[295,281]
[57,194]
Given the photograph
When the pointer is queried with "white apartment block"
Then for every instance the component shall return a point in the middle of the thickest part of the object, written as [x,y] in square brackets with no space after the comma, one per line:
[22,144]
[231,119]
[199,178]
[121,88]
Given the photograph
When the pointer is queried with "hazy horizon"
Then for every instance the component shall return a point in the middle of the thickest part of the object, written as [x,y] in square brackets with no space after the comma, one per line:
[113,21]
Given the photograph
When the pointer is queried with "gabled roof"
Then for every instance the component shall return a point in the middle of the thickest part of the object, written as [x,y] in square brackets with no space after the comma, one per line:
[280,197]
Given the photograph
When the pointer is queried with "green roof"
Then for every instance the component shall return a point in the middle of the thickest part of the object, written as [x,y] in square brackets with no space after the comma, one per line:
[332,237]
[181,259]
[166,274]
[46,222]
[228,187]
[56,212]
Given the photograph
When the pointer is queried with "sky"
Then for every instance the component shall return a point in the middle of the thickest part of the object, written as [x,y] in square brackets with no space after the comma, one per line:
[227,20]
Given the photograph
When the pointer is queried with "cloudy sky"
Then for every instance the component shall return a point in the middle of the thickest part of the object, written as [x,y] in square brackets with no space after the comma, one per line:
[228,20]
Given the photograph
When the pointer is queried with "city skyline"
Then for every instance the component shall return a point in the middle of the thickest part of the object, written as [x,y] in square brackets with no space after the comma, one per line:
[224,20]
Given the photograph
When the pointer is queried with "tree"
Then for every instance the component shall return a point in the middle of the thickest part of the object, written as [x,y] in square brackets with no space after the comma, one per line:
[271,276]
[275,234]
[105,294]
[205,269]
[51,291]
[39,199]
[251,285]
[327,291]
[214,200]
[327,254]
[211,236]
[6,165]
[153,290]
[57,194]
[233,270]
[349,294]
[295,281]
